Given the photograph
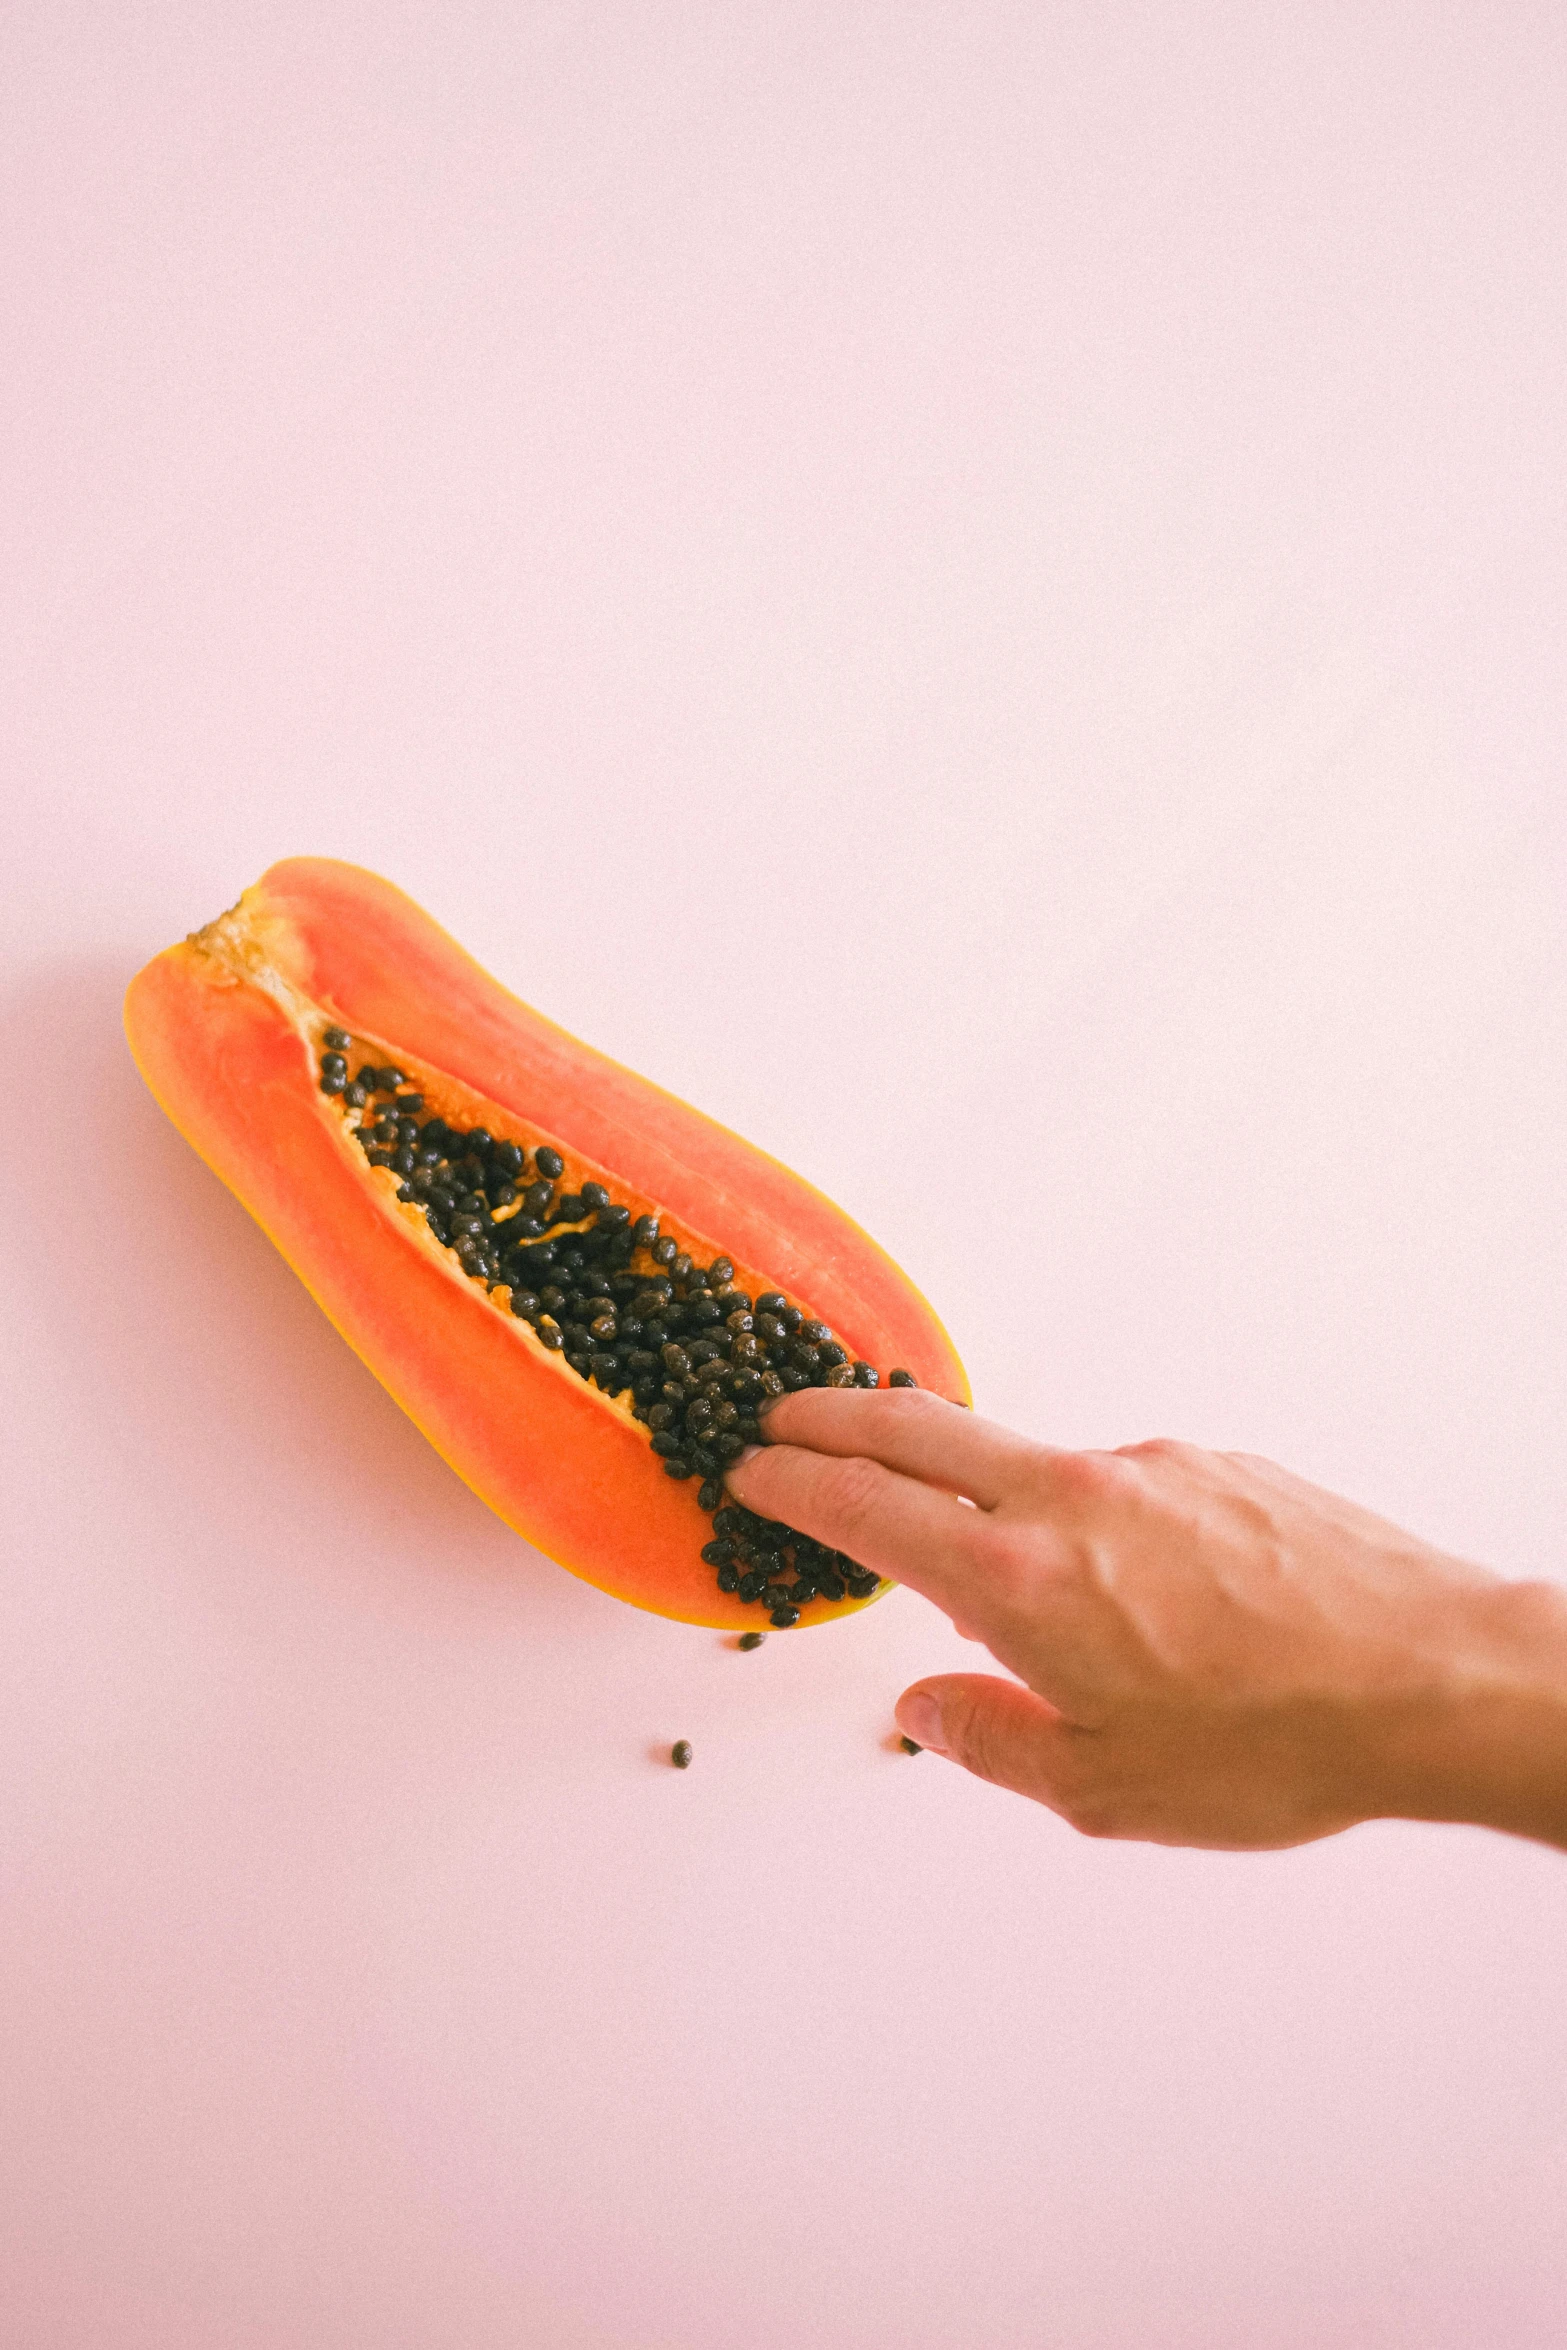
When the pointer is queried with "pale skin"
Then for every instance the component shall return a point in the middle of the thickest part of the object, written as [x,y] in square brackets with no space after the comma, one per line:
[1207,1649]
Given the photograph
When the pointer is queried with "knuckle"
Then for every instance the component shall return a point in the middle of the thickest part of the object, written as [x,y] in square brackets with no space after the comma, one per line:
[906,1404]
[1158,1448]
[971,1737]
[1257,1464]
[851,1491]
[1172,1457]
[1084,1478]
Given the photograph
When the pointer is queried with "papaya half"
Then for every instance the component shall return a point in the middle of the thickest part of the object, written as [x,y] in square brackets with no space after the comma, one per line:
[577,1286]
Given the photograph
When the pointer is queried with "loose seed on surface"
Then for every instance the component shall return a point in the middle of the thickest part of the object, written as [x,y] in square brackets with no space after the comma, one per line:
[909,1746]
[752,1639]
[680,1754]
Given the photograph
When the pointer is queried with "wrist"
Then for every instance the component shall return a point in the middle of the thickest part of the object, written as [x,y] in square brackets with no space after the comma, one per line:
[1489,1746]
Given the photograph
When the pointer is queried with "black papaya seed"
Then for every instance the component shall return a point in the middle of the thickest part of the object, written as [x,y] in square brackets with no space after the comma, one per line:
[687,1351]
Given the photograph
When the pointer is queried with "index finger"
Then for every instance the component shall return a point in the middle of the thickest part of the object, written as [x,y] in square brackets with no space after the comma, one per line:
[908,1429]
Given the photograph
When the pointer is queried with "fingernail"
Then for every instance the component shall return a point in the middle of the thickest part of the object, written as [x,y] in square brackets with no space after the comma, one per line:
[752,1452]
[919,1718]
[766,1405]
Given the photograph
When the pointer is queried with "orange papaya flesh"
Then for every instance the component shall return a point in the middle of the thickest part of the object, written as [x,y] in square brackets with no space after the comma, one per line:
[522,1325]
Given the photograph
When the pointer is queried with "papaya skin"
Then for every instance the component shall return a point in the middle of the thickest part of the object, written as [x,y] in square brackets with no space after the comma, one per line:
[226,1029]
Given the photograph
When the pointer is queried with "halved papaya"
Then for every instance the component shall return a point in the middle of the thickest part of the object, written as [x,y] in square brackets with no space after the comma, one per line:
[576,1285]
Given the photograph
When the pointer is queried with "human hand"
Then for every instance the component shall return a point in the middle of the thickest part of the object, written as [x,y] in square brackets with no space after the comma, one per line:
[1211,1650]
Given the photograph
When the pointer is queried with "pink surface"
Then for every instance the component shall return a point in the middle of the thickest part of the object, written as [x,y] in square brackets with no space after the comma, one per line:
[980,592]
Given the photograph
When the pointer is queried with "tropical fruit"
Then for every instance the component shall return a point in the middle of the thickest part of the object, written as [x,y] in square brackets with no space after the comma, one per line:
[580,1288]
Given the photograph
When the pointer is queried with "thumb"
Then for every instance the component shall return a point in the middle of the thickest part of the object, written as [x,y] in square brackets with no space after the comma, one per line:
[995,1729]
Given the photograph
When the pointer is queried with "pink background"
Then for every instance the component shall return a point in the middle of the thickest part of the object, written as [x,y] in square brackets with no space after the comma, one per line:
[980,590]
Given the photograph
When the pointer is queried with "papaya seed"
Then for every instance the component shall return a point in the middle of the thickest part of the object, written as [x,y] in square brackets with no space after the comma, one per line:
[695,1355]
